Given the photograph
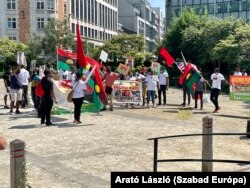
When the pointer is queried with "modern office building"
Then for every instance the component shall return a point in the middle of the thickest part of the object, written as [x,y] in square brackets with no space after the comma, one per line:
[137,16]
[217,8]
[97,18]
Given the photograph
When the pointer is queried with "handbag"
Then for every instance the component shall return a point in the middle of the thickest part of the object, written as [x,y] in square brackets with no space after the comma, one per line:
[70,94]
[206,98]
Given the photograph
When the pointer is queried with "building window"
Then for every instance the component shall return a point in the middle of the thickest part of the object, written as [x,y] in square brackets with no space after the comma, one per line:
[11,23]
[50,4]
[11,4]
[40,4]
[40,23]
[12,38]
[73,28]
[65,9]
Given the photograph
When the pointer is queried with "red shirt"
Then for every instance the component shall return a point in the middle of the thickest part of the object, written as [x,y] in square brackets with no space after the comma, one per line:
[110,79]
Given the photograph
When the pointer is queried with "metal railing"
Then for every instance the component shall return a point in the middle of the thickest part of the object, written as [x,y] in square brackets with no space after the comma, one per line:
[156,160]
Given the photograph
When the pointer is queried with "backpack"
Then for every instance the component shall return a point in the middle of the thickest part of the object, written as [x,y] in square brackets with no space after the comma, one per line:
[39,89]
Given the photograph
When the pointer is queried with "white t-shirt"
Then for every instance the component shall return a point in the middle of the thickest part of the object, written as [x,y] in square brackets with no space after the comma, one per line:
[71,76]
[78,89]
[23,77]
[217,78]
[237,73]
[151,81]
[163,78]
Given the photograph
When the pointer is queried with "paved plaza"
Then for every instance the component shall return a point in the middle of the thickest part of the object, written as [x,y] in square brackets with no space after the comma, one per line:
[68,155]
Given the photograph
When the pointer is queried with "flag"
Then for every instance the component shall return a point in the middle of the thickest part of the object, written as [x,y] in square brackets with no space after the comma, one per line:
[164,55]
[190,80]
[181,66]
[65,59]
[184,74]
[81,59]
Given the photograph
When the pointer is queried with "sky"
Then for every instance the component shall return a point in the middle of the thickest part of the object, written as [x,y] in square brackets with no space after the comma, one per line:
[157,3]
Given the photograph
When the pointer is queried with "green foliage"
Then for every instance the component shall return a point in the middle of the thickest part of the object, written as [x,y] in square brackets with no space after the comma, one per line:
[9,49]
[209,41]
[56,34]
[123,45]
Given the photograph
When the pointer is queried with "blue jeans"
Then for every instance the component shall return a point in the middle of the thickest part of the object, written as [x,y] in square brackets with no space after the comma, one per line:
[151,94]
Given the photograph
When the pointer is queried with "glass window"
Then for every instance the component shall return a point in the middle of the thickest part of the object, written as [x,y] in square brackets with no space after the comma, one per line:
[40,4]
[73,28]
[65,9]
[12,38]
[50,4]
[11,4]
[40,23]
[81,30]
[11,23]
[72,7]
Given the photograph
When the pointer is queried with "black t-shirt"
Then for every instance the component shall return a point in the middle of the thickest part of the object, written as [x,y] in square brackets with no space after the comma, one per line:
[6,78]
[47,86]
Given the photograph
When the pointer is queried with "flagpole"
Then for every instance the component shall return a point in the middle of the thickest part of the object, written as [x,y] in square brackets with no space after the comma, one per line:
[184,59]
[90,74]
[178,68]
[196,70]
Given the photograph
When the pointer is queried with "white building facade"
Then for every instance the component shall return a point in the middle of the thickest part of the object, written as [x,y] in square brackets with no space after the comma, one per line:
[98,19]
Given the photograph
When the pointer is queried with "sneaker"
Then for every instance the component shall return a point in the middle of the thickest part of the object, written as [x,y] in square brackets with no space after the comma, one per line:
[159,104]
[215,111]
[6,107]
[154,106]
[49,124]
[147,105]
[195,107]
[201,108]
[183,104]
[18,112]
[103,109]
[78,122]
[111,109]
[218,108]
[42,122]
[11,112]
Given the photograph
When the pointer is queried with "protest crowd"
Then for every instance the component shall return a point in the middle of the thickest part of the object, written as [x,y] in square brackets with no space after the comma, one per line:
[92,85]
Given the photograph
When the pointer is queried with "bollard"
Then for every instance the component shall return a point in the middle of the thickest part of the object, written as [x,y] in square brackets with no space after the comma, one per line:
[207,144]
[17,164]
[248,128]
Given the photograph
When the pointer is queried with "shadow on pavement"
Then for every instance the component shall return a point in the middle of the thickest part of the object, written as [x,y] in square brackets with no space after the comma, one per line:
[69,125]
[231,116]
[25,127]
[172,111]
[201,113]
[244,138]
[179,105]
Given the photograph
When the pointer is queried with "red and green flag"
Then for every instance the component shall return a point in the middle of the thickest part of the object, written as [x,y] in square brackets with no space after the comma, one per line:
[65,59]
[190,79]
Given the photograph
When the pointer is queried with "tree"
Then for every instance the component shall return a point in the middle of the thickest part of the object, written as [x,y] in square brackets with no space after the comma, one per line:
[56,34]
[9,49]
[123,45]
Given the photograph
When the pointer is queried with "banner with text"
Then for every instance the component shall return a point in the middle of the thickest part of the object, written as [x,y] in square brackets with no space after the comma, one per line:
[240,88]
[127,92]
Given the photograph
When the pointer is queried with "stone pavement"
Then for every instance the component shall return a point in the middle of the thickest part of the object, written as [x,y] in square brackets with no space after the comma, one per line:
[68,155]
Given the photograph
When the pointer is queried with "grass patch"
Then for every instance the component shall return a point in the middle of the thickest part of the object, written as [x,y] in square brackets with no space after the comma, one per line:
[185,113]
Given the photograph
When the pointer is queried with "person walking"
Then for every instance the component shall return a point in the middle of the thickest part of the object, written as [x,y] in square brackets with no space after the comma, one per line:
[164,83]
[15,90]
[47,99]
[6,79]
[152,84]
[24,77]
[79,87]
[216,78]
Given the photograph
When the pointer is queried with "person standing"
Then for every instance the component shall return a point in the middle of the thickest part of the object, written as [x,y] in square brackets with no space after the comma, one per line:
[152,83]
[36,100]
[110,78]
[79,87]
[47,99]
[6,79]
[216,78]
[237,72]
[244,73]
[199,90]
[186,93]
[164,83]
[15,90]
[24,77]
